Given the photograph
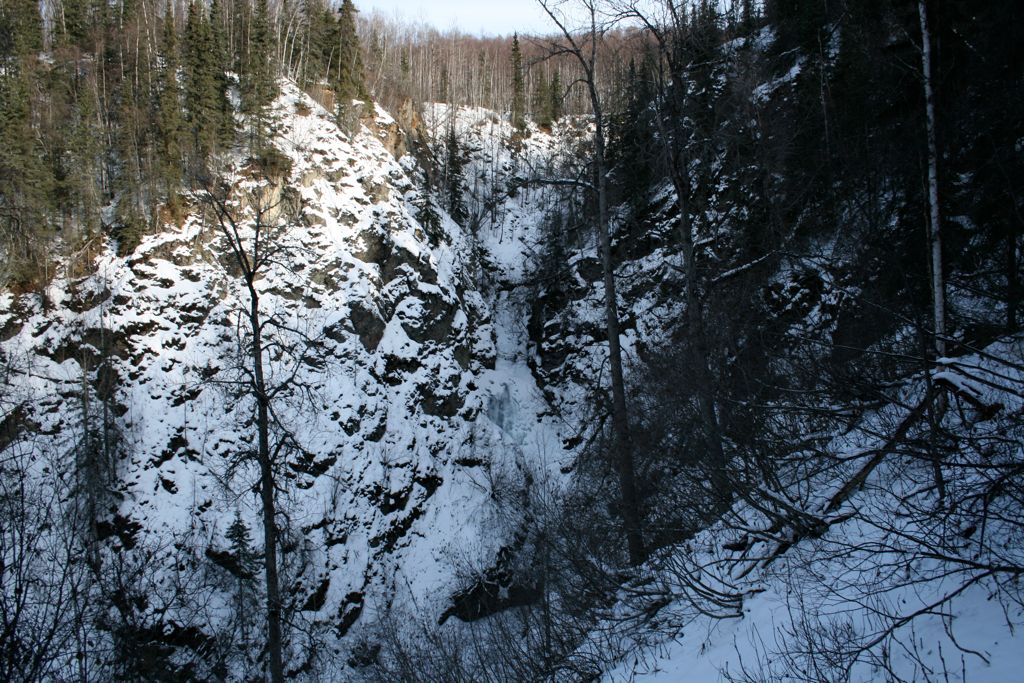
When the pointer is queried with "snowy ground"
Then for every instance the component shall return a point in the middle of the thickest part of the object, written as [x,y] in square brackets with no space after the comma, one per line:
[868,571]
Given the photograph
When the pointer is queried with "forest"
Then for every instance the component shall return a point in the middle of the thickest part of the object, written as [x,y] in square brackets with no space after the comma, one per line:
[680,342]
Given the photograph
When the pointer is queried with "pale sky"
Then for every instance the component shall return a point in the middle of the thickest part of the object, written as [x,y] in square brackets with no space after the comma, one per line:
[489,17]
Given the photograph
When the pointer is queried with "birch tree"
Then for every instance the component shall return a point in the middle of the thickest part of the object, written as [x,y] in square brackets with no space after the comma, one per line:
[583,46]
[934,228]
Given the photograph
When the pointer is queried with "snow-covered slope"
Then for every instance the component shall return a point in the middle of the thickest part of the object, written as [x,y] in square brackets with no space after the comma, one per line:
[512,205]
[403,374]
[866,596]
[427,376]
[897,584]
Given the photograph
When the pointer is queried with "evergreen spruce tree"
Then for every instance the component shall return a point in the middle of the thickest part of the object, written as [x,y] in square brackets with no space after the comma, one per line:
[73,23]
[81,164]
[199,85]
[25,185]
[350,79]
[170,123]
[748,16]
[541,101]
[209,118]
[241,548]
[240,15]
[129,109]
[555,97]
[426,214]
[258,84]
[455,177]
[21,28]
[321,44]
[797,22]
[630,140]
[220,59]
[220,45]
[405,70]
[245,568]
[518,87]
[350,83]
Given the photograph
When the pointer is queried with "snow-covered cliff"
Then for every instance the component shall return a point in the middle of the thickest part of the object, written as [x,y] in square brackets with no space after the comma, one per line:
[430,383]
[399,368]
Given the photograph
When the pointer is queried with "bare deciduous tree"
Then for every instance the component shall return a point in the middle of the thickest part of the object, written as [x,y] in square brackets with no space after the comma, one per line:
[252,217]
[934,227]
[42,580]
[583,46]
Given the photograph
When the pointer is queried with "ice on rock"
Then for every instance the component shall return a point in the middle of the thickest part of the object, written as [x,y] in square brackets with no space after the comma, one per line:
[501,409]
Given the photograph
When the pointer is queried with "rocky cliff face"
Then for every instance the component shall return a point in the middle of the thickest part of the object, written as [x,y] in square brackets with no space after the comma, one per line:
[398,359]
[427,376]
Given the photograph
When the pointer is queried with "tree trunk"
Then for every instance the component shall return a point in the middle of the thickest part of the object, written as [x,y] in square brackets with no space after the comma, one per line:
[675,29]
[274,639]
[1012,281]
[695,330]
[934,233]
[585,53]
[623,447]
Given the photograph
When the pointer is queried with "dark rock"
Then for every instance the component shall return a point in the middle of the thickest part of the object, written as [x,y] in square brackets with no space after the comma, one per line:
[441,401]
[374,245]
[308,463]
[364,654]
[348,613]
[589,269]
[13,425]
[82,301]
[435,325]
[174,446]
[379,429]
[318,598]
[389,501]
[429,482]
[498,589]
[396,367]
[463,355]
[11,328]
[229,561]
[401,263]
[194,312]
[313,218]
[186,395]
[397,531]
[368,325]
[123,528]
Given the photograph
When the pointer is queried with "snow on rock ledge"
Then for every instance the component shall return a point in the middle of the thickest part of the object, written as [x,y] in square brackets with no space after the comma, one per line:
[388,494]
